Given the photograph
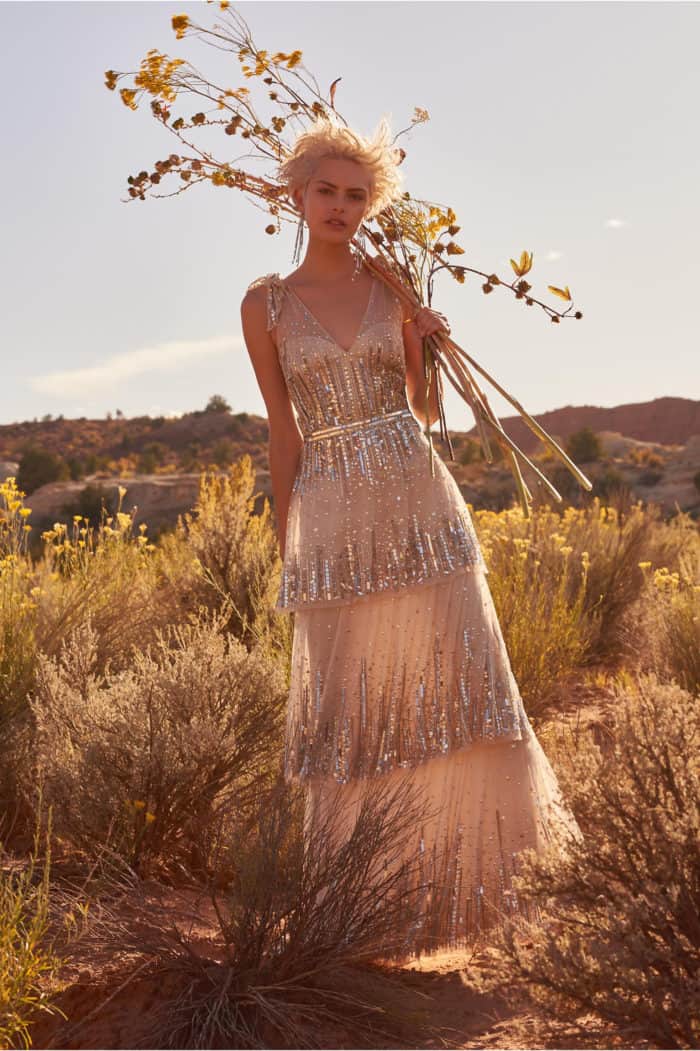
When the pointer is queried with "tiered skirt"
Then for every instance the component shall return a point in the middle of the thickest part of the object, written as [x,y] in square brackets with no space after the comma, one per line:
[414,687]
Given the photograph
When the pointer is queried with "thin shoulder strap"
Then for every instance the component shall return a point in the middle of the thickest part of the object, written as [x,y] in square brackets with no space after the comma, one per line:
[275,296]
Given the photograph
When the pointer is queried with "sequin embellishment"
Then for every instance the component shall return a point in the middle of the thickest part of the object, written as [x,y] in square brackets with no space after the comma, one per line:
[365,515]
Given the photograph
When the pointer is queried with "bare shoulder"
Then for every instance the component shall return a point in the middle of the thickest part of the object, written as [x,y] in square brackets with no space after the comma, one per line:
[256,292]
[254,301]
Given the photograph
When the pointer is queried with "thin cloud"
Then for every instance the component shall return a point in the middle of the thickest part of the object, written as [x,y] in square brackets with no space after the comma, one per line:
[614,223]
[118,368]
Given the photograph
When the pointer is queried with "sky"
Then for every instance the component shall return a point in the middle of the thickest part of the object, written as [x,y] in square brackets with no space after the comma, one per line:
[562,129]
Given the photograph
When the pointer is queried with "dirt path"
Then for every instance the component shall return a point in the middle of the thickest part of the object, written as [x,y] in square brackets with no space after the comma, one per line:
[110,1004]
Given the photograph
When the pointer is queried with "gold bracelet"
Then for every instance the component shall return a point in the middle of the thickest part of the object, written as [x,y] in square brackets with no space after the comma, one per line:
[409,320]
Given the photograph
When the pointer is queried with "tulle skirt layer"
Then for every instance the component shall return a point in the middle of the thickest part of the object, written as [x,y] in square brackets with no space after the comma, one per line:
[414,688]
[484,803]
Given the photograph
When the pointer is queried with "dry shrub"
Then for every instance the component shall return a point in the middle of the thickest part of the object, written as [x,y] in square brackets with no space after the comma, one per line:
[105,574]
[663,628]
[302,925]
[147,755]
[618,539]
[237,554]
[620,936]
[129,587]
[539,592]
[563,582]
[129,590]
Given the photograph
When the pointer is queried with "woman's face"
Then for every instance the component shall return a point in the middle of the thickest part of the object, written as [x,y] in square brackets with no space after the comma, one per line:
[338,189]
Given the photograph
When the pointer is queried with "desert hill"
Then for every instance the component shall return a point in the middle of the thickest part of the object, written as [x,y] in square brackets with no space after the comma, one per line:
[651,449]
[664,421]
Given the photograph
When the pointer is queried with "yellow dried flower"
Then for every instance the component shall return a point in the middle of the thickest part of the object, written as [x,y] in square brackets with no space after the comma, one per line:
[179,24]
[128,97]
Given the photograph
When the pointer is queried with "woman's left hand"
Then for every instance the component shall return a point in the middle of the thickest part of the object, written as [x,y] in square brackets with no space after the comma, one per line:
[430,321]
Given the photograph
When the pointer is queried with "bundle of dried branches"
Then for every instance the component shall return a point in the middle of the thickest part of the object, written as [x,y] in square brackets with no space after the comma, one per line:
[413,238]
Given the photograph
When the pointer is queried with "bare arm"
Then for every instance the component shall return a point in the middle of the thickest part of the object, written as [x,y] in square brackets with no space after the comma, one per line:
[285,439]
[415,378]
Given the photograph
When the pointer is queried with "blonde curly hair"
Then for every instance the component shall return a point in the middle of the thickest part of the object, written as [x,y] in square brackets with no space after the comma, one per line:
[324,138]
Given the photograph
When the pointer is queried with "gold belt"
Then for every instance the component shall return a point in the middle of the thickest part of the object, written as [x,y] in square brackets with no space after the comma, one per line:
[351,424]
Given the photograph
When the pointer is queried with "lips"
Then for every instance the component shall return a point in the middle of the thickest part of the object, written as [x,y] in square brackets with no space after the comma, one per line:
[336,222]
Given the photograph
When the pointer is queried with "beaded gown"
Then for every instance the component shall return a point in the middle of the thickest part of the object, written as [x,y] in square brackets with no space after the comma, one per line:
[399,667]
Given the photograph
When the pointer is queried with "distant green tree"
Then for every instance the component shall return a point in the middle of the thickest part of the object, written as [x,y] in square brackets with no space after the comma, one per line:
[650,477]
[39,466]
[609,485]
[217,404]
[563,481]
[470,452]
[152,455]
[223,452]
[76,468]
[90,501]
[584,446]
[190,460]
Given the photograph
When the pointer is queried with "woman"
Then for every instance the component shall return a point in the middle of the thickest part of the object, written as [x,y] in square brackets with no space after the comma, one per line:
[399,668]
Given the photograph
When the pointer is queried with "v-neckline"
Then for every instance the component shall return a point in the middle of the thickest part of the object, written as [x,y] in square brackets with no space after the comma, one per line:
[345,350]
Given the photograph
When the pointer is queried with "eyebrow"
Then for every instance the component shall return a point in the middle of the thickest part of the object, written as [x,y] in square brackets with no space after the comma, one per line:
[361,188]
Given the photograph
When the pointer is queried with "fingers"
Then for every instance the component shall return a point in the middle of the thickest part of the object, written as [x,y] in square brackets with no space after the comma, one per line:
[430,326]
[430,321]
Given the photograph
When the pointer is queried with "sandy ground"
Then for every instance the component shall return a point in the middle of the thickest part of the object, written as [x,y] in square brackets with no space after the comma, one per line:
[112,997]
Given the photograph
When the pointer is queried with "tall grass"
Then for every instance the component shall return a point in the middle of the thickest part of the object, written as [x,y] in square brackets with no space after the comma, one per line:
[564,583]
[664,626]
[28,963]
